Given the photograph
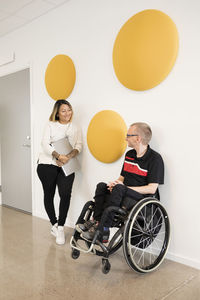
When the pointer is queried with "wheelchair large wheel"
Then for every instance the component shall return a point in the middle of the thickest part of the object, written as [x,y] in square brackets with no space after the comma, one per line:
[146,235]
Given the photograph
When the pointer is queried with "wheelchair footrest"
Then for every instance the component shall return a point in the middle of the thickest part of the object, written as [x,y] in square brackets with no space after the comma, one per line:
[75,245]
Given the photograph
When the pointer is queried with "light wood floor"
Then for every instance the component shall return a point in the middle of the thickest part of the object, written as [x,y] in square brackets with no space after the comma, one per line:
[32,266]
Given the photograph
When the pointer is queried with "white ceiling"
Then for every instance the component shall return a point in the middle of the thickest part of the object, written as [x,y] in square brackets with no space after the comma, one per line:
[17,13]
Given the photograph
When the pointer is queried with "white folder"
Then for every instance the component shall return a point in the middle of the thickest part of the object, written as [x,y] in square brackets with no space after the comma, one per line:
[63,146]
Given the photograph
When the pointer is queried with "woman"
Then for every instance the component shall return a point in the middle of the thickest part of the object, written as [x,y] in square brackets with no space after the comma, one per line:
[50,162]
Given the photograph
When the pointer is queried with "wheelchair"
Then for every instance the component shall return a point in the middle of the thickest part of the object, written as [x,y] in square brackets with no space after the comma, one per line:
[143,232]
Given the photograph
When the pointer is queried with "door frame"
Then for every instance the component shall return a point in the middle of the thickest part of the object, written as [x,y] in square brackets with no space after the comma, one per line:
[11,70]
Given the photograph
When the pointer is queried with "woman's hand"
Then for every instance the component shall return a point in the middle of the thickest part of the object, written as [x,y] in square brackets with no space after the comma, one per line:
[63,159]
[59,164]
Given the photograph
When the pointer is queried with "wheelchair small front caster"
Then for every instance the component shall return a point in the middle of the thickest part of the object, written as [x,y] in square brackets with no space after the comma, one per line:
[75,254]
[105,266]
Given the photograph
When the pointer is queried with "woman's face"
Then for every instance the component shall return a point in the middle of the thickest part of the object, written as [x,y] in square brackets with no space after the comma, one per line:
[64,114]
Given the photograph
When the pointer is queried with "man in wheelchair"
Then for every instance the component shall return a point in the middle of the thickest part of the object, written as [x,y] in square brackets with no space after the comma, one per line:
[142,172]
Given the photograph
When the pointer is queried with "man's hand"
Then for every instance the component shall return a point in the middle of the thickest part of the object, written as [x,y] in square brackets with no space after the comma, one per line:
[118,182]
[145,189]
[110,185]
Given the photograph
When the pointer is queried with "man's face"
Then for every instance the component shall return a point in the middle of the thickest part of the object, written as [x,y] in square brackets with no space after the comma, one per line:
[132,137]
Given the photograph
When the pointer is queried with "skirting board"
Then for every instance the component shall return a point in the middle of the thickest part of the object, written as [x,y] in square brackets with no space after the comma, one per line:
[183,260]
[44,216]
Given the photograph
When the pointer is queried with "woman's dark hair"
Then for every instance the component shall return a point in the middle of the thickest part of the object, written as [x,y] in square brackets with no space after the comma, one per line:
[54,115]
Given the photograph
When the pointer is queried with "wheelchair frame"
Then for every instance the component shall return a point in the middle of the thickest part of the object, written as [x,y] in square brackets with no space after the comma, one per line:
[144,233]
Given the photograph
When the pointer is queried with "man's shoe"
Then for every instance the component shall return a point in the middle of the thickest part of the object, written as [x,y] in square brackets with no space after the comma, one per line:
[85,226]
[89,235]
[105,236]
[60,239]
[54,230]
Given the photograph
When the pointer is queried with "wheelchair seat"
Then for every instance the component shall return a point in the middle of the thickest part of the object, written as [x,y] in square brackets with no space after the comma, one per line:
[143,232]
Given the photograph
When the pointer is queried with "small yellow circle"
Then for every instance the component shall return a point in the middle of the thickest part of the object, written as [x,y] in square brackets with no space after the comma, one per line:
[145,50]
[60,77]
[106,136]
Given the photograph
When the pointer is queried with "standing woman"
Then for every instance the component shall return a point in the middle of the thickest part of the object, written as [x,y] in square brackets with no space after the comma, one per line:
[49,169]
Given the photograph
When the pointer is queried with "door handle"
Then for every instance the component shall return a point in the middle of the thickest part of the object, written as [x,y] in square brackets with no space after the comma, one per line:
[26,145]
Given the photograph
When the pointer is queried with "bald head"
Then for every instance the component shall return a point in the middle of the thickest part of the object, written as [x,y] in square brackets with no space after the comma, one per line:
[144,131]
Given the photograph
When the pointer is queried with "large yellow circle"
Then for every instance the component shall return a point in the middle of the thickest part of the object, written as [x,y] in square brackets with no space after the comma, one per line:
[106,136]
[145,50]
[60,77]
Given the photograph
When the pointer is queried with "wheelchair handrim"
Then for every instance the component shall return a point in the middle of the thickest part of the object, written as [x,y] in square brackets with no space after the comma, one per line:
[127,242]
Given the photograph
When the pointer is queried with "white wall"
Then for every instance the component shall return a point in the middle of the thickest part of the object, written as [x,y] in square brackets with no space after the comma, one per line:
[86,30]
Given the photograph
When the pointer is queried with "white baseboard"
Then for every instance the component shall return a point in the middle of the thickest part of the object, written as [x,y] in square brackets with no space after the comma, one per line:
[40,215]
[184,260]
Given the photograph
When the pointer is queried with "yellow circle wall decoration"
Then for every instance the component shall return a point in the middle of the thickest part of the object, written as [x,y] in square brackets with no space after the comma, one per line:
[145,50]
[60,77]
[106,136]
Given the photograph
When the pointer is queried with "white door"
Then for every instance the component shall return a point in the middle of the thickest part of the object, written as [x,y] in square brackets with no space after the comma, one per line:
[15,140]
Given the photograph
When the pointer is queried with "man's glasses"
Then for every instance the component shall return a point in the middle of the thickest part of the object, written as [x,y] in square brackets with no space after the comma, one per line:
[128,135]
